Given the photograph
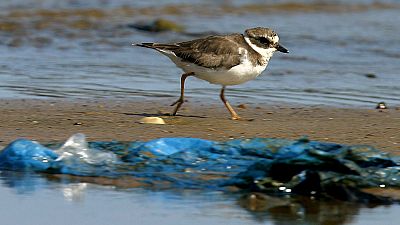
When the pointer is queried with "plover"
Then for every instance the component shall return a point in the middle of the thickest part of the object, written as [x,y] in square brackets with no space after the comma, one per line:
[222,59]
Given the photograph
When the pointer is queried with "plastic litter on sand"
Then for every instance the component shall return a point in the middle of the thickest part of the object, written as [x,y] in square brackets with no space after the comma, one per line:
[272,166]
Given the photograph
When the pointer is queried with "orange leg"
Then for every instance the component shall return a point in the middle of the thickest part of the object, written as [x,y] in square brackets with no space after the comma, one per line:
[234,115]
[180,101]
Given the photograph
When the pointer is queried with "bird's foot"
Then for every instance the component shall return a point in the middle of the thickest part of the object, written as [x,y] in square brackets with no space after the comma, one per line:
[238,118]
[178,104]
[180,101]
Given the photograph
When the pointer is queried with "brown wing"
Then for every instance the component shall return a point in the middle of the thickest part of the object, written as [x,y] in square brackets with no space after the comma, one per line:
[210,52]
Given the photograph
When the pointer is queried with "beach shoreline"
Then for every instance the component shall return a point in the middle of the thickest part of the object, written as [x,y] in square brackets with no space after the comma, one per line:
[104,120]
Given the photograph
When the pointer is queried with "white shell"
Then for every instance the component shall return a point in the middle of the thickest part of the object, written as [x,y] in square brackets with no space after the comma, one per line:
[152,120]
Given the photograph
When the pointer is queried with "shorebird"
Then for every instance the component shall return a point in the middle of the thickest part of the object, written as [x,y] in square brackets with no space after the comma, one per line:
[222,59]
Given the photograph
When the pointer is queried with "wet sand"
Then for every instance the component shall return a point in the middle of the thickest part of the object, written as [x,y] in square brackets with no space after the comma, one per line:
[55,120]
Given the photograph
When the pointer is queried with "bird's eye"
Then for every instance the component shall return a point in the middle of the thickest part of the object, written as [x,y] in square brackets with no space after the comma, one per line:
[264,40]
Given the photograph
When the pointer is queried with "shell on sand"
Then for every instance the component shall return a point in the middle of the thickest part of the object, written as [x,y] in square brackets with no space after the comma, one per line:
[152,120]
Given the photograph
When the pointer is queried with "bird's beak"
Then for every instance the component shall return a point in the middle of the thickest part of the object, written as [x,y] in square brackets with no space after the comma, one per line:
[281,49]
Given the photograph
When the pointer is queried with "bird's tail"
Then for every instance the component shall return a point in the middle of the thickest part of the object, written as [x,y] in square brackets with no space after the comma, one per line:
[145,45]
[156,46]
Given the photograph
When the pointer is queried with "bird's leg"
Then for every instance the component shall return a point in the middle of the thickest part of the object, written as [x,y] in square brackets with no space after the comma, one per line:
[179,102]
[234,115]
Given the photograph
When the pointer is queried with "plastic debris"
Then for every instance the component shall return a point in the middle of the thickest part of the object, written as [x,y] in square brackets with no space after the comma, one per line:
[25,154]
[272,166]
[323,170]
[75,155]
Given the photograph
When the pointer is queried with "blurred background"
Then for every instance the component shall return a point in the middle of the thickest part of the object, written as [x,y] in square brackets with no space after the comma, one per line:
[342,53]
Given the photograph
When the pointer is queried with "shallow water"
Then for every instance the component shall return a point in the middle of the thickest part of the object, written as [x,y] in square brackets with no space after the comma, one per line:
[340,55]
[45,201]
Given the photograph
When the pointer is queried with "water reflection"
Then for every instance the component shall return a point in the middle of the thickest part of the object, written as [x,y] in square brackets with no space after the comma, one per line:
[75,192]
[22,182]
[293,210]
[261,208]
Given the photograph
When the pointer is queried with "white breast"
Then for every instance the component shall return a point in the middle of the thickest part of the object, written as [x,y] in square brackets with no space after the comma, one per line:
[236,75]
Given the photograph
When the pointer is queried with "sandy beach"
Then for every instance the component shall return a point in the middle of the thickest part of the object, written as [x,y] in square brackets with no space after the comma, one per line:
[56,120]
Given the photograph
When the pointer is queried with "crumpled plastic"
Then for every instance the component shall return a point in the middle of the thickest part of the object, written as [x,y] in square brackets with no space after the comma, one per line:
[323,170]
[26,154]
[273,166]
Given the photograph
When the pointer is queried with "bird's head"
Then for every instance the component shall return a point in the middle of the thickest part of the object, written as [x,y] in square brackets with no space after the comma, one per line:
[264,40]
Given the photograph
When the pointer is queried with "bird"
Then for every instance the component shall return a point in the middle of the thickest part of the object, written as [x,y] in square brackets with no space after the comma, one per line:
[221,59]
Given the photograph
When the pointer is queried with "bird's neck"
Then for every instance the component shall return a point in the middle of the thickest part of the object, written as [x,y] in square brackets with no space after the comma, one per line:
[266,53]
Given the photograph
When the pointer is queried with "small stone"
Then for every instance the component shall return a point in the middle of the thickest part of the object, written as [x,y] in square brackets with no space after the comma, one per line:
[77,124]
[370,75]
[381,105]
[152,120]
